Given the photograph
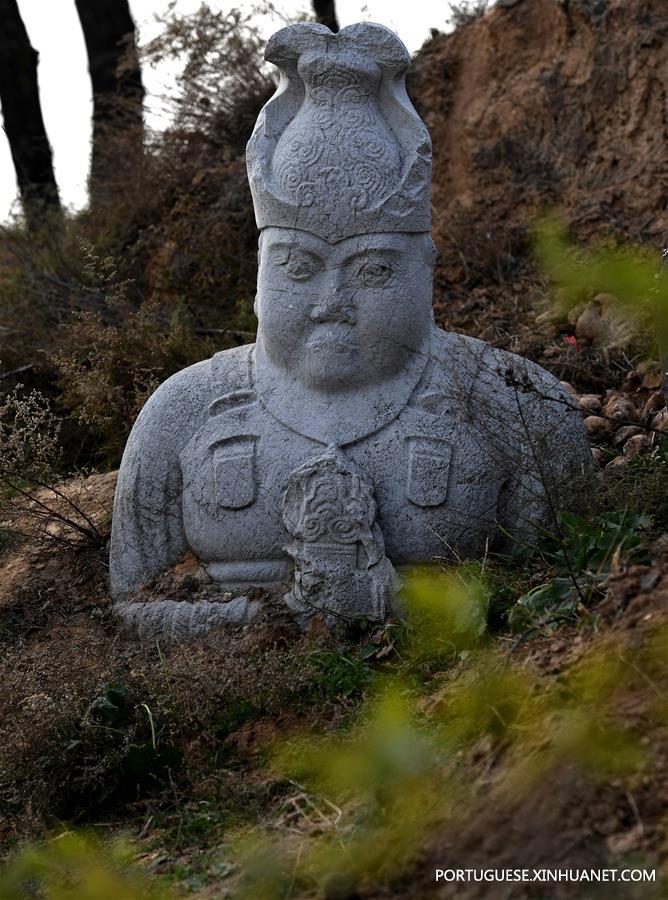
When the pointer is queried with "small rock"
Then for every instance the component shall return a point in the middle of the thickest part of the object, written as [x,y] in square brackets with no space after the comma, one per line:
[660,421]
[621,408]
[596,427]
[591,403]
[650,580]
[652,380]
[647,365]
[641,443]
[574,312]
[606,301]
[650,372]
[655,402]
[597,454]
[626,432]
[590,325]
[617,462]
[568,387]
[631,383]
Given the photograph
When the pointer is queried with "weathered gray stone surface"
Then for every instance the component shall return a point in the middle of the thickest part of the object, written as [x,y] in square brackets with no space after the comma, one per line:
[339,149]
[354,437]
[341,569]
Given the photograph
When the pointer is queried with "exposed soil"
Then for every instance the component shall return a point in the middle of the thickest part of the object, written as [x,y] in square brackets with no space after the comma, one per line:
[540,105]
[571,820]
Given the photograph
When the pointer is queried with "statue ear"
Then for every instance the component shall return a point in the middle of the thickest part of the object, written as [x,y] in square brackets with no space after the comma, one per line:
[286,46]
[283,50]
[379,43]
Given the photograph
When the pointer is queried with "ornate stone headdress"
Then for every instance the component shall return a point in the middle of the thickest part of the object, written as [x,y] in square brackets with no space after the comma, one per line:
[339,149]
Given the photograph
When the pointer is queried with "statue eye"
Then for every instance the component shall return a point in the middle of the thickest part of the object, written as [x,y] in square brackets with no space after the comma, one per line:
[374,274]
[299,269]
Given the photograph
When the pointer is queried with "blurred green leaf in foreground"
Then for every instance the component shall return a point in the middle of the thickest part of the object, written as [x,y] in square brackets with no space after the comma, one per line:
[78,865]
[631,276]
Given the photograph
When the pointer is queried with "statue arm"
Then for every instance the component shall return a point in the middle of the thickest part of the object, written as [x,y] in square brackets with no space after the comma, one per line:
[147,531]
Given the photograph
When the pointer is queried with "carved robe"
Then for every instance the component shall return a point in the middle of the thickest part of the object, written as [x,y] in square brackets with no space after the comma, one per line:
[472,457]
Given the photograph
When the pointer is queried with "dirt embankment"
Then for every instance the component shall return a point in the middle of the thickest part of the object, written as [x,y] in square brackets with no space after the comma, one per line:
[541,104]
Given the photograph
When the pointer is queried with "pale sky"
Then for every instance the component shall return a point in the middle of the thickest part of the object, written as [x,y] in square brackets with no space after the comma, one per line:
[65,91]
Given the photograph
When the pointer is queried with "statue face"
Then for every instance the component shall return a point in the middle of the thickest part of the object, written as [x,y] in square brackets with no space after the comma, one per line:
[345,314]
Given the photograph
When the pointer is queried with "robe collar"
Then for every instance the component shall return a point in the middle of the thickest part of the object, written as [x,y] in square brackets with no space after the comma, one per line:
[334,419]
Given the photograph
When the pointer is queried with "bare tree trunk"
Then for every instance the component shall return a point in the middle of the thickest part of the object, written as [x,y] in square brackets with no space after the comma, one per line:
[118,92]
[23,122]
[662,328]
[325,13]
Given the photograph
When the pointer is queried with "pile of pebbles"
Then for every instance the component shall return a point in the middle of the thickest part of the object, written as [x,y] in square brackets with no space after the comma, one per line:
[627,421]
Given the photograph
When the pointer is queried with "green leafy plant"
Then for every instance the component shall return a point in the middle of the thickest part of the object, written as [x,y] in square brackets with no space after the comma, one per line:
[110,707]
[378,789]
[339,674]
[79,865]
[445,614]
[589,545]
[578,560]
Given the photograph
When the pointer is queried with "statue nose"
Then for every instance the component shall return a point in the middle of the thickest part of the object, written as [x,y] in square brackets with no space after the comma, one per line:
[333,308]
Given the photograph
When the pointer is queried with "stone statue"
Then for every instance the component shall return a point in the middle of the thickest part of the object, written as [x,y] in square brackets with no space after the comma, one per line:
[354,437]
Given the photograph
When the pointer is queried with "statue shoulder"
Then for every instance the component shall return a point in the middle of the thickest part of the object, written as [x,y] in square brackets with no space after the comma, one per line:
[180,404]
[459,355]
[456,361]
[515,375]
[453,349]
[515,392]
[492,369]
[231,370]
[534,408]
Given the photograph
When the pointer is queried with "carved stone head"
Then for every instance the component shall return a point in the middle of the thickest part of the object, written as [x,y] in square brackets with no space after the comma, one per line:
[339,166]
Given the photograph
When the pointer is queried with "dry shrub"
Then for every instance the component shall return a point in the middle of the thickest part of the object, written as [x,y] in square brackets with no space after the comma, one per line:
[222,74]
[29,434]
[89,720]
[203,248]
[117,355]
[54,759]
[41,282]
[177,226]
[194,238]
[466,11]
[32,504]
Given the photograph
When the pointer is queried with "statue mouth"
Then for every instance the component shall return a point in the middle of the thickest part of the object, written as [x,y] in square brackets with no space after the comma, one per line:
[332,340]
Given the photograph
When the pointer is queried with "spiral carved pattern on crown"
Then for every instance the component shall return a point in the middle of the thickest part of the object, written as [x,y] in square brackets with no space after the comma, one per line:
[338,150]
